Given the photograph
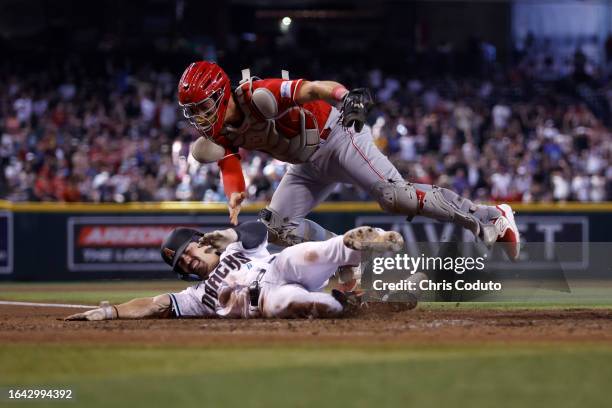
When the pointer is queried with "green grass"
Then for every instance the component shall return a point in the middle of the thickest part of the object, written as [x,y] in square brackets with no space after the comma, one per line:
[119,375]
[591,296]
[422,377]
[587,294]
[91,297]
[514,305]
[86,293]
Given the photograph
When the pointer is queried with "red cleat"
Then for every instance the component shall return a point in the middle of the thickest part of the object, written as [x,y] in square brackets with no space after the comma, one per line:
[508,232]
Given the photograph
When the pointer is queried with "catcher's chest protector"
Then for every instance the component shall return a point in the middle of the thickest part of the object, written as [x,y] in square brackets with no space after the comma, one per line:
[259,131]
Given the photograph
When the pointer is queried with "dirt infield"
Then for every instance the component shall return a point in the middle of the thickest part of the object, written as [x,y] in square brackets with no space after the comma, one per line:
[377,325]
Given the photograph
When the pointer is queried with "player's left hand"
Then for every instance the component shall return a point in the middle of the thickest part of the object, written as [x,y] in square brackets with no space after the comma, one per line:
[234,204]
[104,312]
[219,239]
[92,315]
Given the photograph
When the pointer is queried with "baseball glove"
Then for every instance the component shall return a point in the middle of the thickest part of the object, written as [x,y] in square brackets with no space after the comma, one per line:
[355,108]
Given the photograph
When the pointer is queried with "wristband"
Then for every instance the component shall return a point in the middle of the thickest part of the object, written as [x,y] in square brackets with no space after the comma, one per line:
[339,92]
[107,308]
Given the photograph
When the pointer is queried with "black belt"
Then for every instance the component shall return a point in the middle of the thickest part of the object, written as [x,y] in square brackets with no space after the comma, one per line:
[255,288]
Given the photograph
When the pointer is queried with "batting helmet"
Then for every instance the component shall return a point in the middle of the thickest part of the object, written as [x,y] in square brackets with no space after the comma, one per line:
[175,244]
[204,93]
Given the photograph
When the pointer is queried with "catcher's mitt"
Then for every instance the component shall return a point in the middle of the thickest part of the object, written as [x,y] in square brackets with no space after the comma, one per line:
[355,108]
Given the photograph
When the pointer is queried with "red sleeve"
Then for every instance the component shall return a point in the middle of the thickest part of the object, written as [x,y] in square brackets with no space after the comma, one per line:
[231,172]
[283,90]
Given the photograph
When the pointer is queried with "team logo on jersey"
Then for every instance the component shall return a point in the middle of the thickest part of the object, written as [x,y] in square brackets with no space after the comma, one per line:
[169,254]
[232,262]
[285,89]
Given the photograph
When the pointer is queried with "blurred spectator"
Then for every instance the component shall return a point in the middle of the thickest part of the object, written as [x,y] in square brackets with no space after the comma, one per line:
[533,133]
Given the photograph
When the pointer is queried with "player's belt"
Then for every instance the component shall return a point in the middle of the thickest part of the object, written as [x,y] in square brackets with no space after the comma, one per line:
[255,287]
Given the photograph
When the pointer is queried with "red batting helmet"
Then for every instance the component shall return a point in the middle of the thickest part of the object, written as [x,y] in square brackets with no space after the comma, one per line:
[203,93]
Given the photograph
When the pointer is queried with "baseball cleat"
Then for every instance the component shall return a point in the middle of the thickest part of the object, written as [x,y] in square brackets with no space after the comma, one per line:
[409,298]
[351,301]
[507,231]
[364,238]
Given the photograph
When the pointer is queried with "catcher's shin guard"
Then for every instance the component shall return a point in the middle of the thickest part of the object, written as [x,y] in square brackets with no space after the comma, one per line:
[288,232]
[400,197]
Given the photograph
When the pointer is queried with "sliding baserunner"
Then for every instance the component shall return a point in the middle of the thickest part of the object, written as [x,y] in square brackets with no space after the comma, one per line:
[241,279]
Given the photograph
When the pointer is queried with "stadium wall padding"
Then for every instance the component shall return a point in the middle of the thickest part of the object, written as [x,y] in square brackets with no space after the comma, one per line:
[59,241]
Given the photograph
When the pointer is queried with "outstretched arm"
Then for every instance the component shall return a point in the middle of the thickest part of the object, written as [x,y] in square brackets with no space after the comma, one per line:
[355,104]
[141,308]
[233,184]
[228,159]
[329,91]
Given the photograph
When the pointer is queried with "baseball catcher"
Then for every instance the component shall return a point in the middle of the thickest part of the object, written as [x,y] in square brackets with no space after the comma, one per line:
[318,126]
[241,279]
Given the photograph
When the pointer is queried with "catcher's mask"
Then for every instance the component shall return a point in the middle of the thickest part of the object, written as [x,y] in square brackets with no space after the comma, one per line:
[204,93]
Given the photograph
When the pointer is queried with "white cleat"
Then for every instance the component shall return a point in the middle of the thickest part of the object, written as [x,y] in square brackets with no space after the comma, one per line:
[508,232]
[364,238]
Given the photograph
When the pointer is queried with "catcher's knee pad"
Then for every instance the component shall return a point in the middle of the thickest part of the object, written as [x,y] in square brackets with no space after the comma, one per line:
[437,203]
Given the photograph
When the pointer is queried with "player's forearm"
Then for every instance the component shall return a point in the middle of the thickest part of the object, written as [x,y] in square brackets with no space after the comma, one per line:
[329,91]
[158,306]
[231,172]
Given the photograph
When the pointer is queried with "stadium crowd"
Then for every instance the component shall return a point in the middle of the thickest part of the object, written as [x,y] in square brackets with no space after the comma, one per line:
[536,132]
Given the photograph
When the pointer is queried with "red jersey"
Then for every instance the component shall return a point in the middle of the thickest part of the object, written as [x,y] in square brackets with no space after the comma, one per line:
[287,123]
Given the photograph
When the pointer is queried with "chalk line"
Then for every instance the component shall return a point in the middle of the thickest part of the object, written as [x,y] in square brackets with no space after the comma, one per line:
[10,303]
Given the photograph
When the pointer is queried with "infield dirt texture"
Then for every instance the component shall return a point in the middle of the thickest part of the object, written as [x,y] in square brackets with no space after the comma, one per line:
[467,355]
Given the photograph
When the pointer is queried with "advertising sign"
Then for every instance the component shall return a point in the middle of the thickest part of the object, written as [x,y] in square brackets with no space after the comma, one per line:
[126,243]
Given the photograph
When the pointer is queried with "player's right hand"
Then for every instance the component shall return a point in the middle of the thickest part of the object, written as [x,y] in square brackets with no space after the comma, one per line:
[234,204]
[219,239]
